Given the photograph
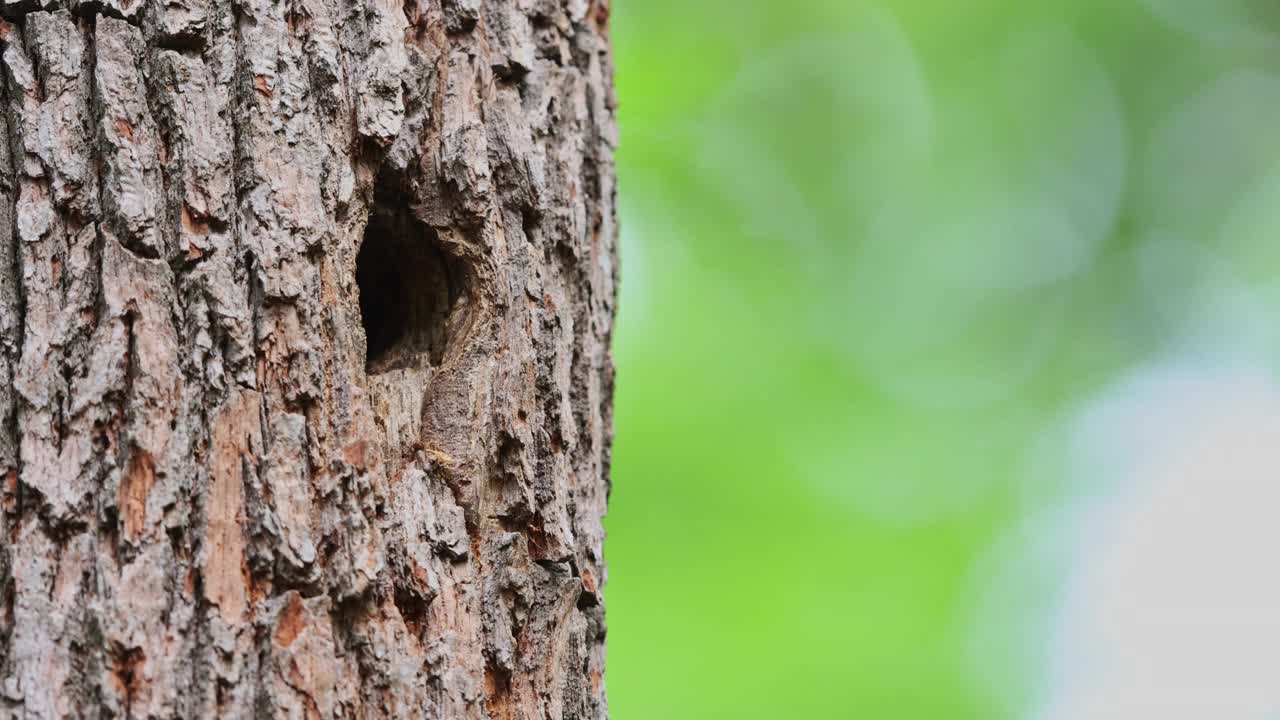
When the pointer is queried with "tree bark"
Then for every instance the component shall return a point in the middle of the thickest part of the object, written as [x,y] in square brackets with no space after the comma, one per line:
[305,385]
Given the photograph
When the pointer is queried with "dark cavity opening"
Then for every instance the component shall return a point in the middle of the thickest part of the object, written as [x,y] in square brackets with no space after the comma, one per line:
[408,287]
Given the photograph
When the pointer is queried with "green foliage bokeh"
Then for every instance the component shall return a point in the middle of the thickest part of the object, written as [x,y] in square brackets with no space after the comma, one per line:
[872,253]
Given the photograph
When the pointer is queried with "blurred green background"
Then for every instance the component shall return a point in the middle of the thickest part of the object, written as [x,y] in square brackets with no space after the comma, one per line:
[882,262]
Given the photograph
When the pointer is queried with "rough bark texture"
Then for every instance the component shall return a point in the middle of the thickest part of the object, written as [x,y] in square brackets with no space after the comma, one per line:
[227,488]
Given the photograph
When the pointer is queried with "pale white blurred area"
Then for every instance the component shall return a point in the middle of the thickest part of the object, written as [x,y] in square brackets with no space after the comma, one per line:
[1155,576]
[1171,603]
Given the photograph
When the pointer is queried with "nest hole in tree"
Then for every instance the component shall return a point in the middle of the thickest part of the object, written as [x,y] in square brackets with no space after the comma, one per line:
[408,286]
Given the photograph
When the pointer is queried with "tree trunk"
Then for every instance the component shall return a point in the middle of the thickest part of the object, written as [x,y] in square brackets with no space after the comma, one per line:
[304,357]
